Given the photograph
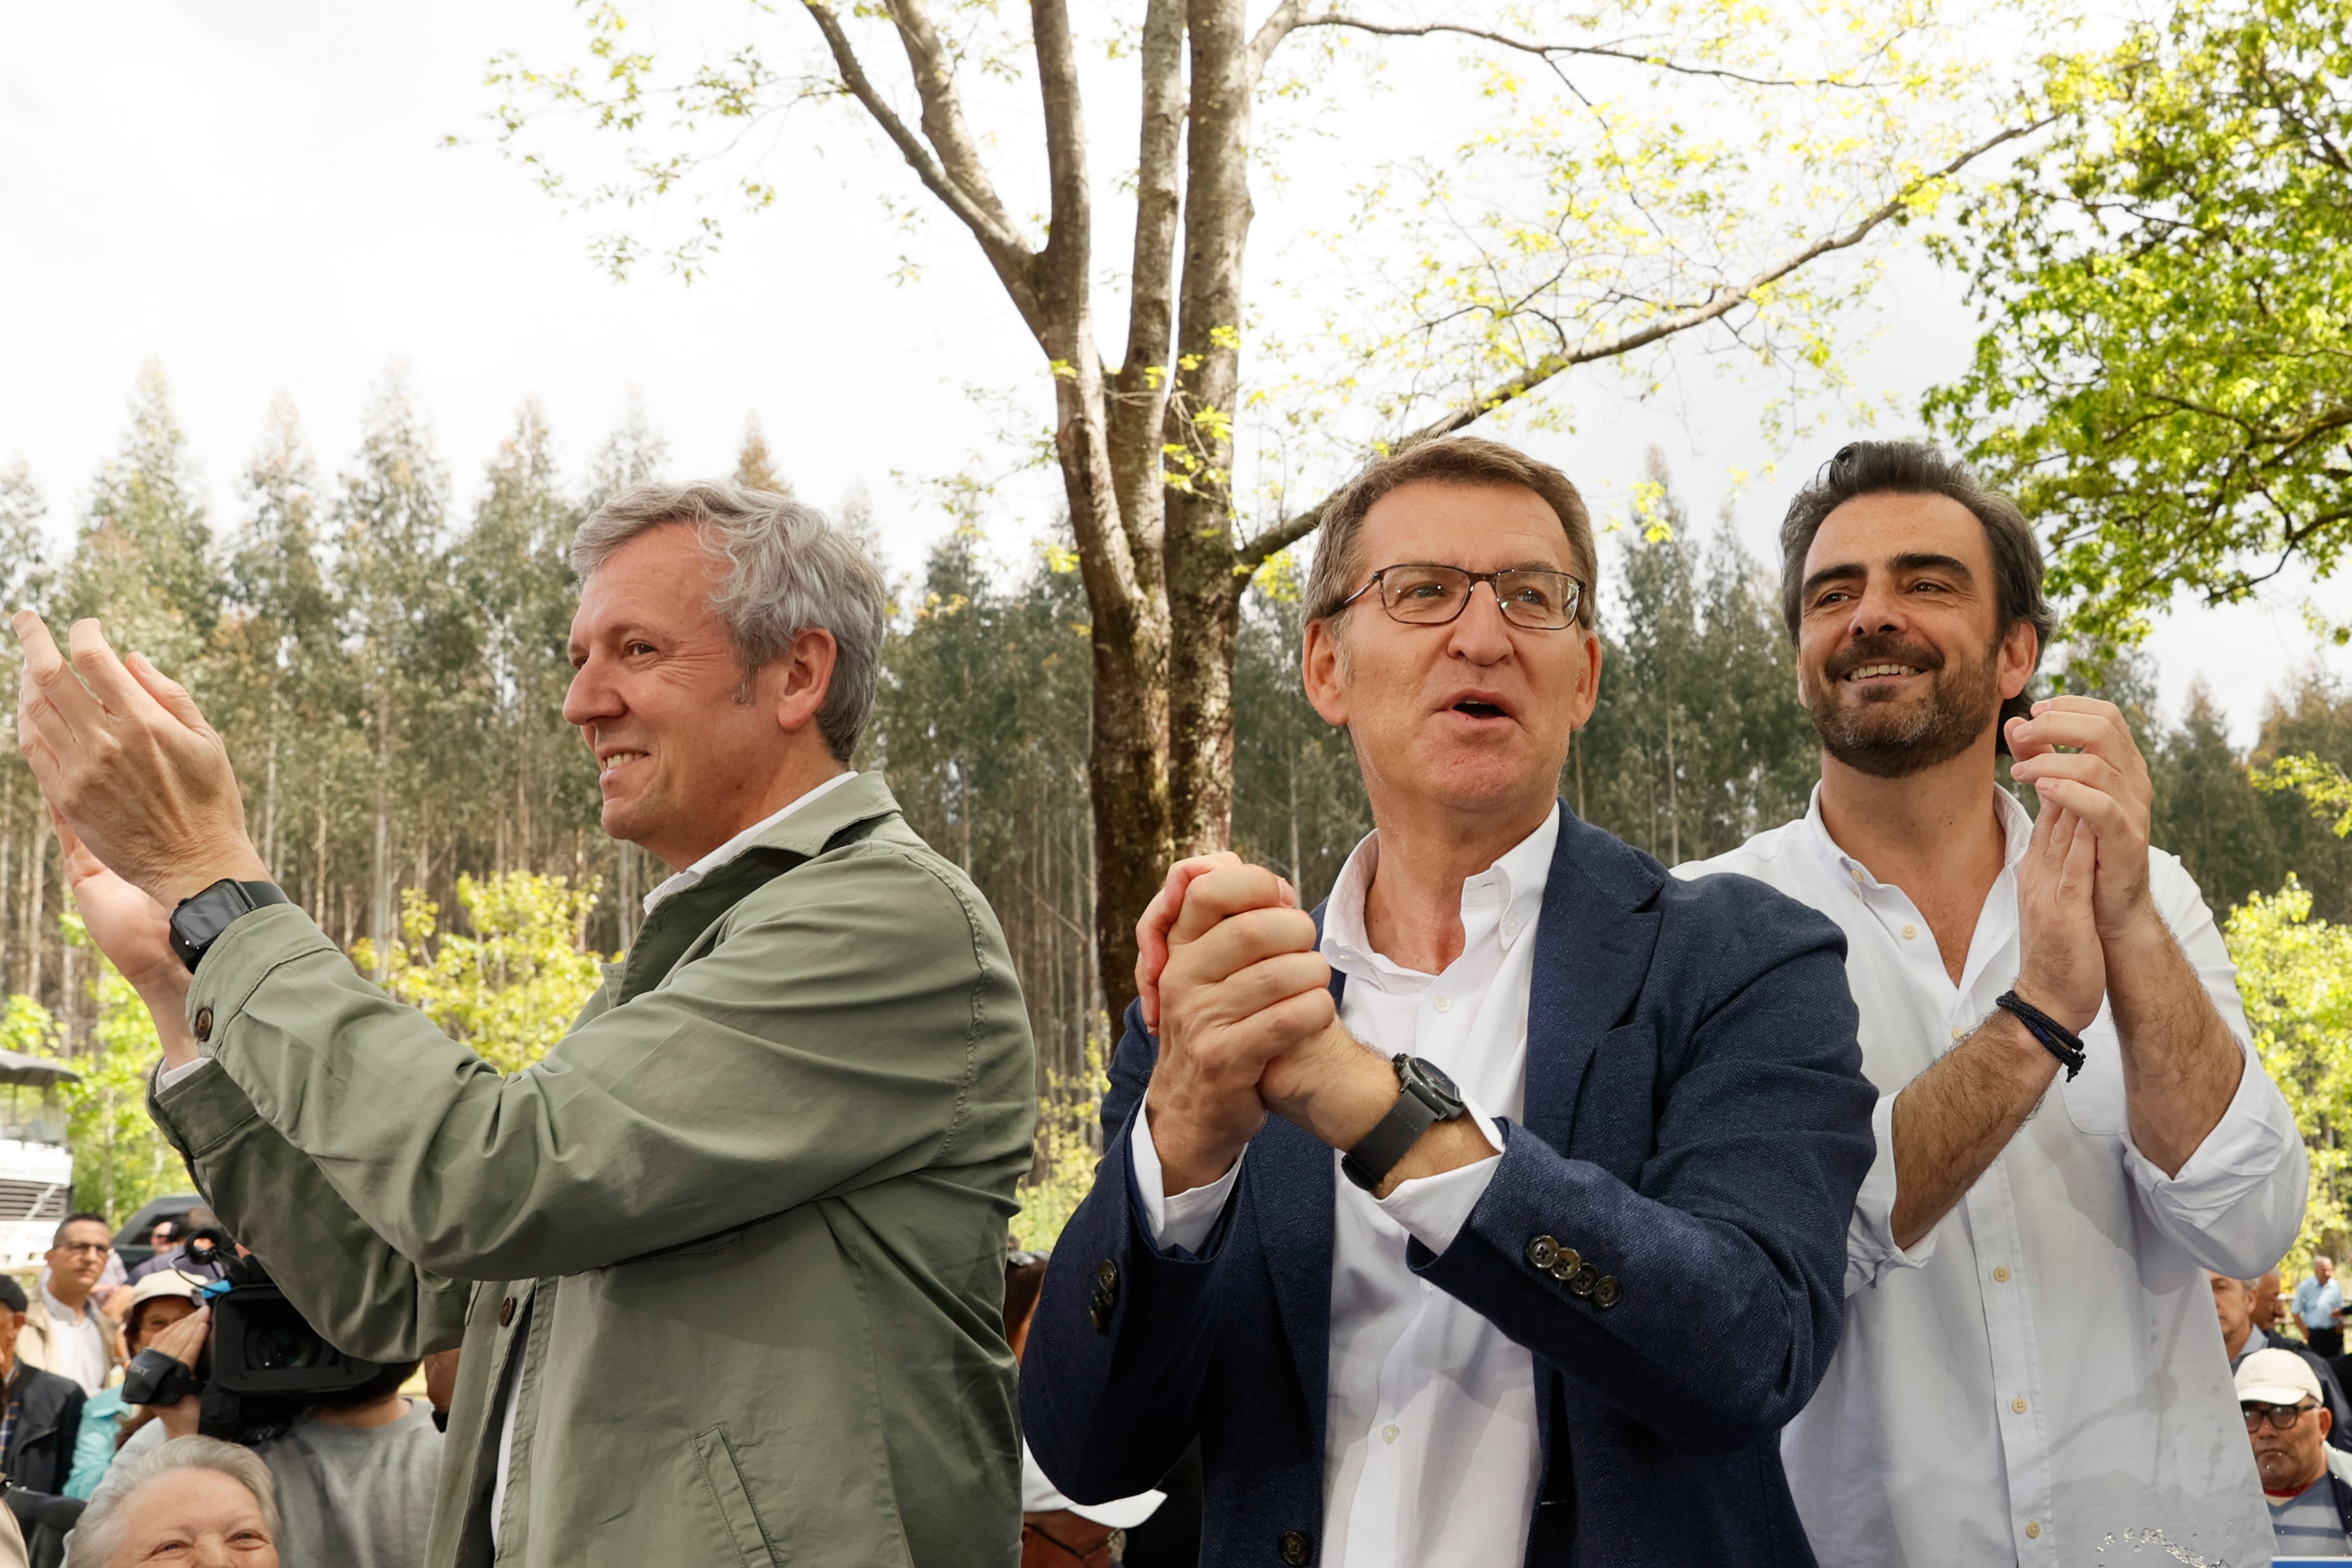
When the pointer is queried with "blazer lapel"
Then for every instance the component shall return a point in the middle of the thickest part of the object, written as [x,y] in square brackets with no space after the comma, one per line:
[1292,1172]
[1592,950]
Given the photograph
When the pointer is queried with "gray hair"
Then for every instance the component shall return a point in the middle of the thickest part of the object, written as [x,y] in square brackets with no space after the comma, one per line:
[790,571]
[98,1536]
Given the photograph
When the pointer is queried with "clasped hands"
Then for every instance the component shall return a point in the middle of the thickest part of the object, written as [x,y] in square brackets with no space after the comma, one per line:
[2085,910]
[140,790]
[1228,978]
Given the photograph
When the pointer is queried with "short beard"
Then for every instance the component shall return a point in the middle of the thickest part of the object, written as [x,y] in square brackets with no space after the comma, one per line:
[1888,742]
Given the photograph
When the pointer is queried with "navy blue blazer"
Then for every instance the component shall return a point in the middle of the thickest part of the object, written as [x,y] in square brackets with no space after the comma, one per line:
[1696,1128]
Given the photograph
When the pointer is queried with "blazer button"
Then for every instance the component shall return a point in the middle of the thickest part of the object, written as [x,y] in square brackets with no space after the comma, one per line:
[1295,1546]
[1607,1293]
[1542,1254]
[1102,1297]
[506,1311]
[1585,1281]
[203,1023]
[1564,1267]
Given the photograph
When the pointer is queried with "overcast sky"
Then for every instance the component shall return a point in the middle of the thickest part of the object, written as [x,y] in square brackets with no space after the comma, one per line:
[255,193]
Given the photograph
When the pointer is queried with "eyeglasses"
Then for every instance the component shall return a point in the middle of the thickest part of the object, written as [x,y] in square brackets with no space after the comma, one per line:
[1419,594]
[2281,1418]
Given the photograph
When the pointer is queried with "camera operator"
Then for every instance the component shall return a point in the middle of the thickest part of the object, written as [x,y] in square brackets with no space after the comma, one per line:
[40,1417]
[108,1420]
[354,1472]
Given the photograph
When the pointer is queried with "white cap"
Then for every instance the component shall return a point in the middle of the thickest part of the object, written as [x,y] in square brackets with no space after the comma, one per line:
[2277,1377]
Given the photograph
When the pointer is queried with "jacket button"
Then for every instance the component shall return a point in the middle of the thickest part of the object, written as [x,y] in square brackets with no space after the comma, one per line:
[203,1023]
[1564,1267]
[1542,1254]
[1102,1297]
[1295,1547]
[506,1311]
[1585,1281]
[1607,1293]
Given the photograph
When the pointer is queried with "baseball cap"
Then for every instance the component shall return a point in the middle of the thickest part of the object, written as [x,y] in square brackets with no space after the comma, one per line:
[164,1283]
[12,1294]
[2277,1377]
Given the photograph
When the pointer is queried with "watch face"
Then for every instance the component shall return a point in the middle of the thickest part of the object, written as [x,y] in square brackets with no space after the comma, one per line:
[1434,1076]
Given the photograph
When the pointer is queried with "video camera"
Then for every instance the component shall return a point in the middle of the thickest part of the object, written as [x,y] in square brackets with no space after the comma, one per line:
[263,1366]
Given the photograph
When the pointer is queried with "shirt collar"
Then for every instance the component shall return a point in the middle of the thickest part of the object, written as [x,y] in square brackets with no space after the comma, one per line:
[2016,827]
[61,1313]
[679,882]
[1515,882]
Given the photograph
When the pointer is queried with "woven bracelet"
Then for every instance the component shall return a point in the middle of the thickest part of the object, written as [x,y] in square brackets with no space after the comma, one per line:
[2058,1040]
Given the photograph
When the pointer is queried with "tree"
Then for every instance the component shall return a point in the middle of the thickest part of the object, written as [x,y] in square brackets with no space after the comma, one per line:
[754,470]
[1577,218]
[1697,740]
[2295,974]
[2162,379]
[2207,810]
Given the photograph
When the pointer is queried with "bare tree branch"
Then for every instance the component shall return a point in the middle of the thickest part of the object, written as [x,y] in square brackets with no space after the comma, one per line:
[1717,306]
[1286,18]
[1140,401]
[1007,251]
[1548,53]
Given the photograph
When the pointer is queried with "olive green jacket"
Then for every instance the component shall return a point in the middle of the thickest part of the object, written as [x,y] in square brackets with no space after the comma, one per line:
[739,1238]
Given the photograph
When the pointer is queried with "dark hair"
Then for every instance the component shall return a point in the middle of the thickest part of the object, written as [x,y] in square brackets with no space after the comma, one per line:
[85,1217]
[1458,460]
[1916,468]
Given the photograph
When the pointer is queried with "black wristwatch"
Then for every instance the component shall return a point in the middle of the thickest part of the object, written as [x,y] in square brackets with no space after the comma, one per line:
[1429,1097]
[197,924]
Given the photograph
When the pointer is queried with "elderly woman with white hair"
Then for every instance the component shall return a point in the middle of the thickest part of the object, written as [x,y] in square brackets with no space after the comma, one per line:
[193,1502]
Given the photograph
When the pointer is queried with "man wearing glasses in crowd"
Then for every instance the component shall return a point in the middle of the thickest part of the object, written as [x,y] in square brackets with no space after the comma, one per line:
[2306,1482]
[1544,1239]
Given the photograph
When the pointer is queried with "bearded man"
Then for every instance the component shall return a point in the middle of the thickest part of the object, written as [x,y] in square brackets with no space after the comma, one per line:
[2031,1364]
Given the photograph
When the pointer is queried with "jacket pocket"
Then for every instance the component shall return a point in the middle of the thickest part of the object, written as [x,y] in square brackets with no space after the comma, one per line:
[733,1499]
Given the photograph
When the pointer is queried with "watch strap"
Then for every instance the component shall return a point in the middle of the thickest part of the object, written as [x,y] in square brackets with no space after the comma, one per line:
[1376,1151]
[201,918]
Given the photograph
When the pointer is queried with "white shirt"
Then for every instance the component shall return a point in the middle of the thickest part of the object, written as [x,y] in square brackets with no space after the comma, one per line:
[2043,1371]
[77,1345]
[1432,1453]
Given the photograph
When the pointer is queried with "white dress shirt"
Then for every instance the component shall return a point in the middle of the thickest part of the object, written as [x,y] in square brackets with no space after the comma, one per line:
[77,1345]
[1431,1454]
[2043,1371]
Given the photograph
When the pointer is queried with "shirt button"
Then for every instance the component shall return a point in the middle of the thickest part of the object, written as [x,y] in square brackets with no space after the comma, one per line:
[1511,928]
[1443,1004]
[1909,932]
[1958,1034]
[2000,1274]
[506,1312]
[2032,1529]
[2018,1404]
[1390,1433]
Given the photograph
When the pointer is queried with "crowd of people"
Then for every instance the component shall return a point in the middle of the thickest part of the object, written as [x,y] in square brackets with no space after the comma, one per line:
[1898,1188]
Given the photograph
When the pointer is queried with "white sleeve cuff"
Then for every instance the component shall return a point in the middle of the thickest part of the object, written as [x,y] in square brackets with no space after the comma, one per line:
[1870,1249]
[167,1076]
[2237,1201]
[1434,1208]
[1185,1220]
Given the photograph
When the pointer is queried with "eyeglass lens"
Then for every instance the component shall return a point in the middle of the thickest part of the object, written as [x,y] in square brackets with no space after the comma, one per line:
[2281,1418]
[1430,595]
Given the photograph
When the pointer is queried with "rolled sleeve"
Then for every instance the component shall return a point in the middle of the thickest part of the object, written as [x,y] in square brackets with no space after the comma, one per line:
[1871,1253]
[2237,1203]
[1182,1222]
[1433,1208]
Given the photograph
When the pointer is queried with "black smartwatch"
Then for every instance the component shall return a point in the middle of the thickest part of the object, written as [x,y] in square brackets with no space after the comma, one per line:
[197,924]
[1429,1097]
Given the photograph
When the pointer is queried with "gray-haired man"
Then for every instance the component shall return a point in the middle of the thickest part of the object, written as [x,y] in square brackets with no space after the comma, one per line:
[727,1264]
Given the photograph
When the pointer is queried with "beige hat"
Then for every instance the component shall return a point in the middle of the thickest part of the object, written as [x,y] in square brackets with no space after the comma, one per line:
[162,1282]
[2277,1377]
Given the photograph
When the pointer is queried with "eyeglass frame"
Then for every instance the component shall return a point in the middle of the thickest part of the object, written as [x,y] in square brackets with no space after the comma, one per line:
[1492,579]
[2258,1413]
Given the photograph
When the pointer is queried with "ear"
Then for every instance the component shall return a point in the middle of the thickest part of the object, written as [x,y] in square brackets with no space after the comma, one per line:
[1323,671]
[2327,1421]
[794,686]
[2021,649]
[1588,677]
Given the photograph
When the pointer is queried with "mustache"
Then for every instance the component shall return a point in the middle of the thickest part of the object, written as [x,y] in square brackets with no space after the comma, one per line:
[1882,648]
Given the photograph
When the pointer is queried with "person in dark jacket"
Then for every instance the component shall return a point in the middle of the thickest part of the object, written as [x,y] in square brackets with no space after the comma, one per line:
[40,1417]
[1545,1239]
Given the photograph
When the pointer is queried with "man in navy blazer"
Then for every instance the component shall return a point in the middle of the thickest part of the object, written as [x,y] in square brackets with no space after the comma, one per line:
[1545,1237]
